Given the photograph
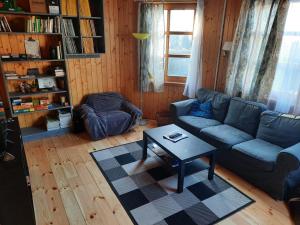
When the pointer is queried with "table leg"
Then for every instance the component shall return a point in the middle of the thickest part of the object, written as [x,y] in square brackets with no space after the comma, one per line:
[145,146]
[212,163]
[181,172]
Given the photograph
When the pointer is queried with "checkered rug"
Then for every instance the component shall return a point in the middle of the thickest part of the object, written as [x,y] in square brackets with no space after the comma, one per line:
[147,190]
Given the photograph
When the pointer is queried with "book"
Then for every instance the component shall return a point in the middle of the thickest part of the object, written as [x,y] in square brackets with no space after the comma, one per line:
[69,32]
[36,24]
[4,25]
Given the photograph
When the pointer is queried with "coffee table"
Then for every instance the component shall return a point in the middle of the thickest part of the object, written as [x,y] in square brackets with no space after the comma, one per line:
[184,151]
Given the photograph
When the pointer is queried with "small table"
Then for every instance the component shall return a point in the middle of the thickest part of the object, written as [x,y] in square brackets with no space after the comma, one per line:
[184,151]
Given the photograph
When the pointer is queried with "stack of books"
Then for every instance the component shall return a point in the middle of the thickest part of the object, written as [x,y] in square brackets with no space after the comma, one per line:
[4,25]
[59,72]
[69,32]
[65,119]
[38,25]
[22,105]
[11,75]
[52,123]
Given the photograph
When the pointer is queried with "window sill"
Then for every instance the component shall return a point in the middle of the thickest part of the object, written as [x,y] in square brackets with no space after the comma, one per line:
[174,84]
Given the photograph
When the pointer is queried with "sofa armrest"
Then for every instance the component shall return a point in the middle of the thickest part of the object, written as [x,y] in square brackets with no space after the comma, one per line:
[132,109]
[290,157]
[181,108]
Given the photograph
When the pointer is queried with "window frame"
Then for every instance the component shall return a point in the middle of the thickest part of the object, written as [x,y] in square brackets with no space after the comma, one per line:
[169,7]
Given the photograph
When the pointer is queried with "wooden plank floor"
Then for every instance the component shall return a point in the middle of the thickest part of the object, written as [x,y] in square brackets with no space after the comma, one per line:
[68,188]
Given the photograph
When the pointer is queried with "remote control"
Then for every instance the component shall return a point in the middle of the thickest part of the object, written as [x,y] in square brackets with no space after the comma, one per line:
[176,135]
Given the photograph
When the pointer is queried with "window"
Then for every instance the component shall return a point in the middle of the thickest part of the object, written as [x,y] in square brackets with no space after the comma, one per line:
[286,86]
[179,23]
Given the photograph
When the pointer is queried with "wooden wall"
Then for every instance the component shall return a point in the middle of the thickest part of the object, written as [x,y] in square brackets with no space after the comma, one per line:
[116,70]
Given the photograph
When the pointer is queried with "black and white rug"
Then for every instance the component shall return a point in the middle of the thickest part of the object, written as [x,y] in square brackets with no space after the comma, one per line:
[147,190]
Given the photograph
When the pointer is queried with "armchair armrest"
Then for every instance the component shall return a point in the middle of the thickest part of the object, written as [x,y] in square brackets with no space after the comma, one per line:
[92,123]
[290,157]
[181,108]
[132,109]
[86,110]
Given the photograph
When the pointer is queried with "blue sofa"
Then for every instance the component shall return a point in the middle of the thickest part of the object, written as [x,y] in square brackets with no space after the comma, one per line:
[261,146]
[108,114]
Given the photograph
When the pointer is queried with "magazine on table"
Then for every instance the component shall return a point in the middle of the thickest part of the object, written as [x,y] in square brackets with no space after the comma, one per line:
[175,136]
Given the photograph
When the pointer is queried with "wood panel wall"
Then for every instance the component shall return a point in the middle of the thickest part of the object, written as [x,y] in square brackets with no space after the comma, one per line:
[116,70]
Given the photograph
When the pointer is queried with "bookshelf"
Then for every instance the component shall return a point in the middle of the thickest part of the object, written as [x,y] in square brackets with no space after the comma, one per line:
[49,35]
[84,33]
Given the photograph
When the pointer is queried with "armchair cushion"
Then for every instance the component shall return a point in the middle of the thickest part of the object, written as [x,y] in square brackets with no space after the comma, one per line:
[105,102]
[115,122]
[257,153]
[224,136]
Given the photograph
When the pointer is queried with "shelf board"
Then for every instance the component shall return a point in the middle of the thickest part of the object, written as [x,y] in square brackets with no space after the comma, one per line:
[36,133]
[28,13]
[97,36]
[71,36]
[70,17]
[90,17]
[19,94]
[57,107]
[83,55]
[32,60]
[35,77]
[29,33]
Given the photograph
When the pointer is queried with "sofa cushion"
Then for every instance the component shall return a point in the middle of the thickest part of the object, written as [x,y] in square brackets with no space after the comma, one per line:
[202,109]
[257,153]
[279,129]
[219,101]
[195,124]
[224,136]
[244,115]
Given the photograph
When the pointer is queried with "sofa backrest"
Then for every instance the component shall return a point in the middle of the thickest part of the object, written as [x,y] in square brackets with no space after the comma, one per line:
[244,115]
[220,102]
[279,129]
[104,102]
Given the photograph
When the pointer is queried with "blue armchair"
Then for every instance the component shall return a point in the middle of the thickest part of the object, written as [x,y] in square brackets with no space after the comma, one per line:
[108,114]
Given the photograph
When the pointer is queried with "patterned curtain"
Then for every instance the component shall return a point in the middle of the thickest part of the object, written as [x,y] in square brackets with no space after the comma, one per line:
[251,47]
[151,20]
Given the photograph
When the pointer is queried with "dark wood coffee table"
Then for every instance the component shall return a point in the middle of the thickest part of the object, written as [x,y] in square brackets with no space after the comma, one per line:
[184,151]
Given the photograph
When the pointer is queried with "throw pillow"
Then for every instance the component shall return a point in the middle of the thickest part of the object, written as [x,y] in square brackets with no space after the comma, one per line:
[202,109]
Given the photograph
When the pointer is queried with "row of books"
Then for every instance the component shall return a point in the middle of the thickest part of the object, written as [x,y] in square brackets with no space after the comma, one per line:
[4,25]
[12,75]
[43,25]
[30,105]
[69,31]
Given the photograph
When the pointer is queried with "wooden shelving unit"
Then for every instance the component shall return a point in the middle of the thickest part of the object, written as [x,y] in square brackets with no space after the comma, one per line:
[89,31]
[90,43]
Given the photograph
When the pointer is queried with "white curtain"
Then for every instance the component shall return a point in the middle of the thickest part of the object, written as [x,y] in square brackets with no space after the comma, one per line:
[194,78]
[285,92]
[152,50]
